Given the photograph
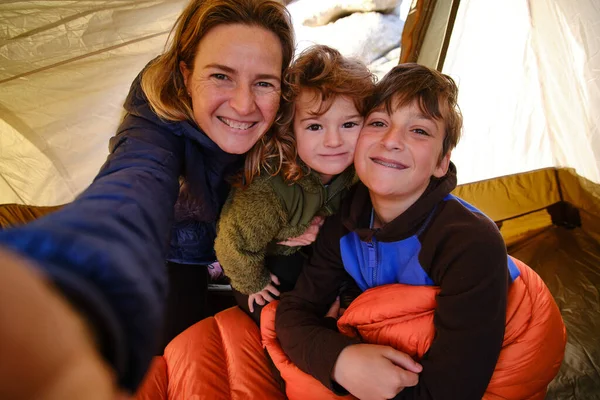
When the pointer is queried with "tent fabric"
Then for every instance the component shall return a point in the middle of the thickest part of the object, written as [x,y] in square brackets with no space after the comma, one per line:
[520,203]
[529,86]
[17,214]
[65,68]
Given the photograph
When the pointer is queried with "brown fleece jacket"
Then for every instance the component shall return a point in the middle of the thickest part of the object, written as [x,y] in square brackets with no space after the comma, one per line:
[461,251]
[270,210]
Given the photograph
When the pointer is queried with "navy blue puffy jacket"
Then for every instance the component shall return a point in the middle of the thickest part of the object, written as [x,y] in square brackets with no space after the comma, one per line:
[107,249]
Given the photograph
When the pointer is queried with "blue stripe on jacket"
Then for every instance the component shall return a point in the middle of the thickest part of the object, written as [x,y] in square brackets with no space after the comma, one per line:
[377,263]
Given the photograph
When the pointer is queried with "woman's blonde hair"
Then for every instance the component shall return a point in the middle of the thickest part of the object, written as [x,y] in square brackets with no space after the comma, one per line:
[162,81]
[324,71]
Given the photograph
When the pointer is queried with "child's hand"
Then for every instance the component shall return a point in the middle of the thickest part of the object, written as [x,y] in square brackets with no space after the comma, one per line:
[335,311]
[264,296]
[374,372]
[309,235]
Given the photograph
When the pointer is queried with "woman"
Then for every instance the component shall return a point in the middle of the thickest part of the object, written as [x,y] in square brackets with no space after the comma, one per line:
[222,73]
[191,116]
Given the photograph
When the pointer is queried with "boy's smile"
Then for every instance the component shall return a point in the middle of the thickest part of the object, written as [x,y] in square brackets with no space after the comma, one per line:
[388,163]
[397,154]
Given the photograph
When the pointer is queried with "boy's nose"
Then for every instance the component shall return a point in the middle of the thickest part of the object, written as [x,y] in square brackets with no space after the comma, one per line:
[332,138]
[393,140]
[242,100]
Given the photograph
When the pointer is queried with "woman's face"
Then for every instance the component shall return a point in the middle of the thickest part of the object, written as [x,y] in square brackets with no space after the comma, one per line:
[235,84]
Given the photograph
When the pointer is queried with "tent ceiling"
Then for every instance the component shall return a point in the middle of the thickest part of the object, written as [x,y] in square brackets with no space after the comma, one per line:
[527,72]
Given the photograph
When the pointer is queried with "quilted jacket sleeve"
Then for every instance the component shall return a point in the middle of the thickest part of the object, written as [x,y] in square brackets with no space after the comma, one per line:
[106,250]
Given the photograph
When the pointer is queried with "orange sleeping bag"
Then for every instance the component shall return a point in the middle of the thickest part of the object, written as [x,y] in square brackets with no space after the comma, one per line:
[401,316]
[218,358]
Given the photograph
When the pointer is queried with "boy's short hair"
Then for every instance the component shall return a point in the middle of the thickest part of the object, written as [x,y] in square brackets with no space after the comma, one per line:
[436,94]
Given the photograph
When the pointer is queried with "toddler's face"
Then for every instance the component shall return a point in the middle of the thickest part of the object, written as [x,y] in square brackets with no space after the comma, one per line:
[326,142]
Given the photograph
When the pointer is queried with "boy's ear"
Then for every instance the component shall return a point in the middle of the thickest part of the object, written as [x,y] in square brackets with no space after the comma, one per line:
[442,166]
[185,72]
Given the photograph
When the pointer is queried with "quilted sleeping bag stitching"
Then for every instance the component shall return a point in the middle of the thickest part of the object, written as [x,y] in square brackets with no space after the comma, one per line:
[219,358]
[402,316]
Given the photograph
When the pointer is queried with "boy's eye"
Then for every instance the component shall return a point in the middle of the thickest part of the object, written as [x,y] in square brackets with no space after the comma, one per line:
[349,125]
[378,124]
[419,131]
[313,127]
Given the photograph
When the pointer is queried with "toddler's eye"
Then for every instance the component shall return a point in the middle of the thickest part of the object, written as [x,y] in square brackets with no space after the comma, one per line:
[314,127]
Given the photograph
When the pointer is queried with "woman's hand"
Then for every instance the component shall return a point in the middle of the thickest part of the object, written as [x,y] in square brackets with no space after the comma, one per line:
[309,235]
[47,349]
[264,296]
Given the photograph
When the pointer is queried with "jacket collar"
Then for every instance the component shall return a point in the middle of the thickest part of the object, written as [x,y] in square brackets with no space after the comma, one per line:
[312,182]
[356,213]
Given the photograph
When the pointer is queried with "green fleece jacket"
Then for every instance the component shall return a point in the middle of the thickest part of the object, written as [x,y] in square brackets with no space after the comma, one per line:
[255,219]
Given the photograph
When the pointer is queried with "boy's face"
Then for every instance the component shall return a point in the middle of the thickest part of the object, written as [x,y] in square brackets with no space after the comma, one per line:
[326,142]
[397,154]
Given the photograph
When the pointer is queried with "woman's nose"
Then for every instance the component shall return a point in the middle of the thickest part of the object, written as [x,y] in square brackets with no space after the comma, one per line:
[243,100]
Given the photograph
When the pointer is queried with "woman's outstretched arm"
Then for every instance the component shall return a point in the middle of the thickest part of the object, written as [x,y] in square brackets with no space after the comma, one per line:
[105,251]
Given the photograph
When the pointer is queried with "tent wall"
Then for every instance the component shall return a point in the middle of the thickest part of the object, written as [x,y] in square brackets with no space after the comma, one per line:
[65,70]
[585,195]
[529,86]
[526,202]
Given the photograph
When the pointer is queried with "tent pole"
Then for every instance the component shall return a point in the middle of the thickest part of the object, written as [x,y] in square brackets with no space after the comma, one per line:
[448,34]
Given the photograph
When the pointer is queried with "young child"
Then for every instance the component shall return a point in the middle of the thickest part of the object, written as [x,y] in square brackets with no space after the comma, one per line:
[304,170]
[400,224]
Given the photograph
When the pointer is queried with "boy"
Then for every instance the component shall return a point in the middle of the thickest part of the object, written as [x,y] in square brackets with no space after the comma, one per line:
[401,225]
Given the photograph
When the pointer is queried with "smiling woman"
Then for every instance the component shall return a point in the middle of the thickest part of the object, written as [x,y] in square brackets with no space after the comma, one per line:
[235,85]
[220,80]
[192,114]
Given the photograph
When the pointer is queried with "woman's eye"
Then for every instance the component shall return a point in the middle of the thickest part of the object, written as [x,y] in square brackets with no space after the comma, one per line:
[349,125]
[220,77]
[265,84]
[313,127]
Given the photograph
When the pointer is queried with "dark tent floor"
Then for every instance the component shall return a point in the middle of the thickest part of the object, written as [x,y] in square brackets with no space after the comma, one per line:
[568,260]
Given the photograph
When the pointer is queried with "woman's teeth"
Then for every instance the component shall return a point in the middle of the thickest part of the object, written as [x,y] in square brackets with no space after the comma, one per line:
[236,124]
